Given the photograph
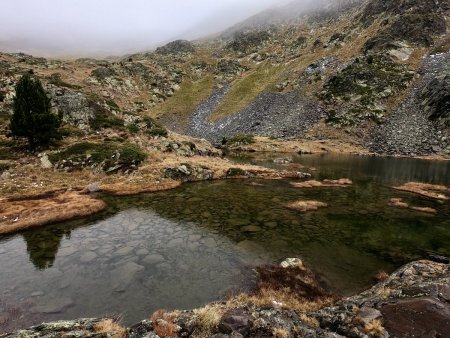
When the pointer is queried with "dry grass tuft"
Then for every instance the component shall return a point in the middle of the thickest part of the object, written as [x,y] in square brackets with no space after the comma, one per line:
[111,328]
[280,333]
[309,320]
[304,206]
[208,318]
[163,324]
[374,328]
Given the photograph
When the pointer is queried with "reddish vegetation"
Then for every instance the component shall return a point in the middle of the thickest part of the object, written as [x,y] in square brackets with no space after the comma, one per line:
[399,203]
[343,182]
[31,211]
[427,190]
[305,206]
[381,276]
[163,324]
[124,189]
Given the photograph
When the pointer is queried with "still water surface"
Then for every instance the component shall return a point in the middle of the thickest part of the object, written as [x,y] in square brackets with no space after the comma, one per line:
[192,245]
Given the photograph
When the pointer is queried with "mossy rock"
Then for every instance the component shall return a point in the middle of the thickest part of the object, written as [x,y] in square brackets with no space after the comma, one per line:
[102,73]
[247,42]
[238,172]
[357,92]
[107,156]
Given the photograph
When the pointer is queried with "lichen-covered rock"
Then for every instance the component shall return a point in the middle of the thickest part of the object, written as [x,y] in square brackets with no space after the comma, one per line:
[73,106]
[414,21]
[248,42]
[356,93]
[177,46]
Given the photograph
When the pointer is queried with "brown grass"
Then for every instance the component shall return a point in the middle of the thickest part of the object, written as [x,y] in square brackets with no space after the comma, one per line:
[375,328]
[208,318]
[343,182]
[110,328]
[304,206]
[295,288]
[163,324]
[399,203]
[427,190]
[280,333]
[125,189]
[20,214]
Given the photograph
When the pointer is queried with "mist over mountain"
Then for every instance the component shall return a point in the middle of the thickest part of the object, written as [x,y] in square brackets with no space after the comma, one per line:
[101,28]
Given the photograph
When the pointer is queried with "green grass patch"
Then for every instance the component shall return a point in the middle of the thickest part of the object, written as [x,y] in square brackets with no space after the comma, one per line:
[185,100]
[245,90]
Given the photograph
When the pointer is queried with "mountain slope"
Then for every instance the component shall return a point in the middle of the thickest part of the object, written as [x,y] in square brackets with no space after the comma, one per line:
[293,72]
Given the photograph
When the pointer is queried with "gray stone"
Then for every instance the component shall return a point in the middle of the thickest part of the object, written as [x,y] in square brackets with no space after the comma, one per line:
[45,162]
[368,314]
[153,259]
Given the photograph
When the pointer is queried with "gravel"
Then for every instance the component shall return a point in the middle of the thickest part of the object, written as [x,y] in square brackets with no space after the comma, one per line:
[270,114]
[408,130]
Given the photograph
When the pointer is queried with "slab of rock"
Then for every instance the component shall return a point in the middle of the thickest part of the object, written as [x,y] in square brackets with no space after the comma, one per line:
[421,317]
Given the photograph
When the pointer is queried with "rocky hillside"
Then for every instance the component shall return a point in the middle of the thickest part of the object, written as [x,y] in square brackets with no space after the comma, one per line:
[375,71]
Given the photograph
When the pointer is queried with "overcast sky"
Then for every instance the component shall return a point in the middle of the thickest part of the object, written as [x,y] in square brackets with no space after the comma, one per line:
[114,27]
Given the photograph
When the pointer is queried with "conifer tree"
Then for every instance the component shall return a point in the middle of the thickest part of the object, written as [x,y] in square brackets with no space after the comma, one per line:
[32,117]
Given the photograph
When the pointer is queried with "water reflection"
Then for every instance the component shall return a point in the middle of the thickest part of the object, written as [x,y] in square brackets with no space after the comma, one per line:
[185,247]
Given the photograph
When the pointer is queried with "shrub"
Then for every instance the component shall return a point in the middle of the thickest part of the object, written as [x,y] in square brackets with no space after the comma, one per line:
[133,128]
[103,119]
[241,140]
[32,117]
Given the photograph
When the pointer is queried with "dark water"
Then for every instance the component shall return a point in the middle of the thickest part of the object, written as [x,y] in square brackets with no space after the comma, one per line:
[186,247]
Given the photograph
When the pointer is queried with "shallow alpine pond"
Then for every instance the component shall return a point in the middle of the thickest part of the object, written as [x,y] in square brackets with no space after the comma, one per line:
[186,247]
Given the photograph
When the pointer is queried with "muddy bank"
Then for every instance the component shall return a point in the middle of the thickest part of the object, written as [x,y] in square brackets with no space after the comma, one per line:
[289,300]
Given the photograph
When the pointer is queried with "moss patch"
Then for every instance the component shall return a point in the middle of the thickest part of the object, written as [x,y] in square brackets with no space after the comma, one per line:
[108,156]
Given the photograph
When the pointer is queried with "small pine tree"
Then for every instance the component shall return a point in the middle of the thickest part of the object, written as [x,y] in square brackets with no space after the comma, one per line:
[32,117]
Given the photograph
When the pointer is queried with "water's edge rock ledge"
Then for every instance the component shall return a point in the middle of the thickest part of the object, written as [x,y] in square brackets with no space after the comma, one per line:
[414,300]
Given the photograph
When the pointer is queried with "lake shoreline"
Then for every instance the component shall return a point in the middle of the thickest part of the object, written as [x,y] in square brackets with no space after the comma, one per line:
[417,292]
